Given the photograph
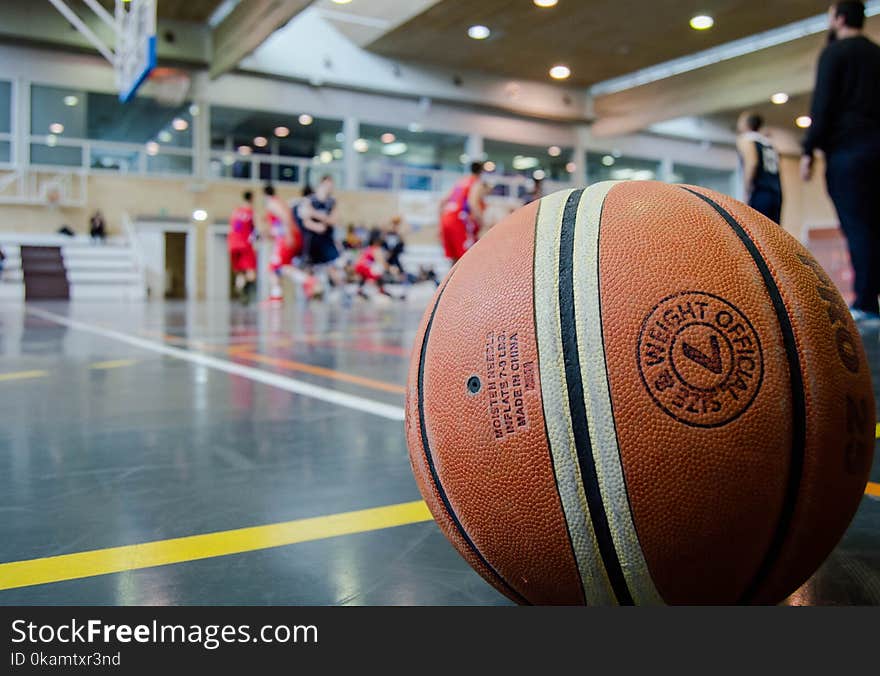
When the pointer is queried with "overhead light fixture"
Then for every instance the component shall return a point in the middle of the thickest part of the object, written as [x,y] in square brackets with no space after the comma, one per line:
[804,121]
[779,98]
[538,174]
[571,167]
[544,4]
[200,215]
[608,160]
[554,151]
[337,153]
[361,145]
[261,141]
[523,162]
[245,150]
[282,132]
[394,149]
[340,137]
[464,158]
[179,124]
[228,159]
[388,137]
[194,109]
[305,119]
[326,157]
[489,166]
[56,128]
[341,2]
[702,22]
[152,148]
[70,101]
[165,136]
[479,32]
[560,72]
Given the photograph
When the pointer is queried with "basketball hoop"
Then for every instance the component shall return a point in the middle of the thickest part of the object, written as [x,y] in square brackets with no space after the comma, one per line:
[169,86]
[133,25]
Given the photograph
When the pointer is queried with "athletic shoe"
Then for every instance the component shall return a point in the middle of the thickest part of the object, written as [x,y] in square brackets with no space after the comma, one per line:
[865,318]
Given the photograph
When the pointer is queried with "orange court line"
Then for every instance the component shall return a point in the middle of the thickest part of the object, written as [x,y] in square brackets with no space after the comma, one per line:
[320,371]
[872,489]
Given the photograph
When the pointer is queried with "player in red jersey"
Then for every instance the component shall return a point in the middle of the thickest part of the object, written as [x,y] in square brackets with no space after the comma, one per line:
[241,250]
[288,241]
[461,213]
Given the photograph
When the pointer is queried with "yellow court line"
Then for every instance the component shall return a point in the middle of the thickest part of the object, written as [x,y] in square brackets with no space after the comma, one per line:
[22,375]
[194,547]
[112,364]
[872,489]
[877,431]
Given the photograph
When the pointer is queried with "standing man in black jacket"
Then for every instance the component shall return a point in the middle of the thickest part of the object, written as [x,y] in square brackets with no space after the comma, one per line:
[846,125]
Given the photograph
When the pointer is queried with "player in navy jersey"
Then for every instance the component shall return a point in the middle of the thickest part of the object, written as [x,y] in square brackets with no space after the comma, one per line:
[760,164]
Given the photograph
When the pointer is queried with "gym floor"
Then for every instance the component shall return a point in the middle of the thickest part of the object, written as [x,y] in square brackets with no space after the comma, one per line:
[205,454]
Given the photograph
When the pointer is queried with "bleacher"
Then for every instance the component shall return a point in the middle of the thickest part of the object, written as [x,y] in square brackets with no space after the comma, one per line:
[99,271]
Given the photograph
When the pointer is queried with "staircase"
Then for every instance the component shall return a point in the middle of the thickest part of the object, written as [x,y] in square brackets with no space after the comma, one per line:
[91,271]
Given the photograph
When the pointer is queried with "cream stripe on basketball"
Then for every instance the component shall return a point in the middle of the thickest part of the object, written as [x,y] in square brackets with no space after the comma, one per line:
[554,392]
[597,398]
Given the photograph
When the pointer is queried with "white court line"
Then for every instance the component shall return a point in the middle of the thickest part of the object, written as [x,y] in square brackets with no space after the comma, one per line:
[272,379]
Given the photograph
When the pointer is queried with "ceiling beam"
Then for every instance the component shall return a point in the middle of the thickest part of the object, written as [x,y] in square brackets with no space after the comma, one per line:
[245,29]
[734,83]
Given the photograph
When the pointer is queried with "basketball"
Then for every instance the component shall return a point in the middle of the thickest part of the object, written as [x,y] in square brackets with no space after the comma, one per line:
[640,393]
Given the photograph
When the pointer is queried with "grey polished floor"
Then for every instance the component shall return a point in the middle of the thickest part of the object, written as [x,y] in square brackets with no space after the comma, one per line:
[108,444]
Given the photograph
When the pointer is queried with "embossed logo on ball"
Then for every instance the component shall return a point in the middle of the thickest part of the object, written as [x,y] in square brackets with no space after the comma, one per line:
[700,359]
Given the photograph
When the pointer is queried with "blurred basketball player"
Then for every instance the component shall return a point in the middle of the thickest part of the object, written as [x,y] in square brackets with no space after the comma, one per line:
[846,125]
[317,215]
[760,163]
[461,213]
[288,241]
[241,250]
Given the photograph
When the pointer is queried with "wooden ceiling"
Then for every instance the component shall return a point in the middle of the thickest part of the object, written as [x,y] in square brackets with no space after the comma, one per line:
[780,116]
[179,10]
[598,40]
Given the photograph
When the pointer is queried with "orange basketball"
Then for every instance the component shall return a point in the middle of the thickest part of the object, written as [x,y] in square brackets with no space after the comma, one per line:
[640,393]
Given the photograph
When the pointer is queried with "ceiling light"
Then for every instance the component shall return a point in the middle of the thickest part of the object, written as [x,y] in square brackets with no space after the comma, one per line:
[608,160]
[326,157]
[179,124]
[388,137]
[340,137]
[554,151]
[341,2]
[305,119]
[489,166]
[200,215]
[337,153]
[702,22]
[779,98]
[282,132]
[560,72]
[194,109]
[245,150]
[545,3]
[165,136]
[571,167]
[522,162]
[804,121]
[56,128]
[394,149]
[228,159]
[152,148]
[538,174]
[361,145]
[479,32]
[261,141]
[70,101]
[464,158]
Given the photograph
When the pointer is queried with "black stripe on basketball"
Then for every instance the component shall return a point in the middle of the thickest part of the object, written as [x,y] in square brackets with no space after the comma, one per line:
[430,459]
[577,406]
[546,432]
[798,402]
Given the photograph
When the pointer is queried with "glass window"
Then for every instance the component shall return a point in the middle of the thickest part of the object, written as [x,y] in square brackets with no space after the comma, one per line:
[414,149]
[715,179]
[617,167]
[512,159]
[5,107]
[56,155]
[5,151]
[76,114]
